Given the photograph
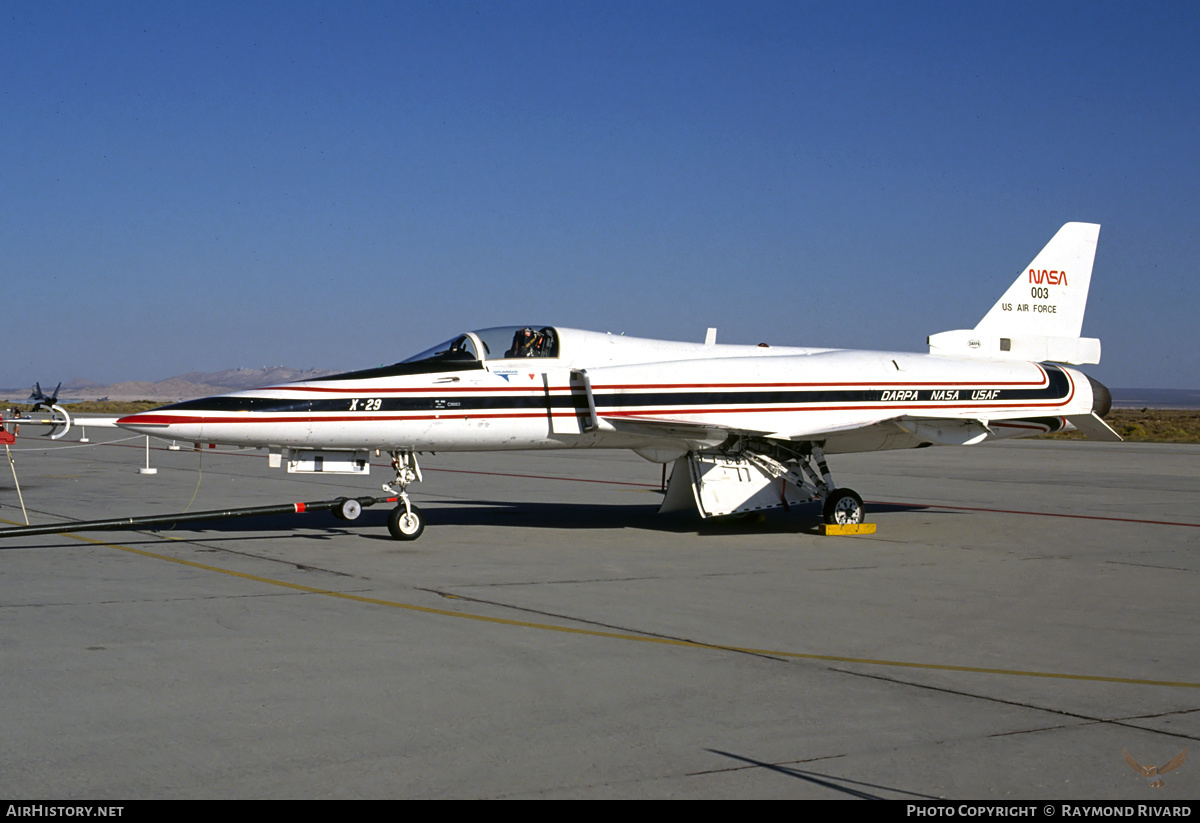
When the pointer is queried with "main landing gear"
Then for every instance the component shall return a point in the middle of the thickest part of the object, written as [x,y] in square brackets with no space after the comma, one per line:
[746,475]
[843,508]
[406,522]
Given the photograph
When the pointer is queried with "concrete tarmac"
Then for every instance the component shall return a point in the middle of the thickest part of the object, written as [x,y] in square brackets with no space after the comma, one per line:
[1024,613]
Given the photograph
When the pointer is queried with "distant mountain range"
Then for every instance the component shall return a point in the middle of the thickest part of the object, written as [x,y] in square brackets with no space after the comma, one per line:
[182,387]
[205,384]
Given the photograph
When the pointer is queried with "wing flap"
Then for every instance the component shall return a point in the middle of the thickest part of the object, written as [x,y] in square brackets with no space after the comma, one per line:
[1094,427]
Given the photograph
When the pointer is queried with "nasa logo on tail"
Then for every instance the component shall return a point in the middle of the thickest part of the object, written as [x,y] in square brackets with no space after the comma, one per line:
[1053,278]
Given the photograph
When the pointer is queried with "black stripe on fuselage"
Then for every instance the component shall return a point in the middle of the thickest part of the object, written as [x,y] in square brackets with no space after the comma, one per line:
[1057,387]
[446,362]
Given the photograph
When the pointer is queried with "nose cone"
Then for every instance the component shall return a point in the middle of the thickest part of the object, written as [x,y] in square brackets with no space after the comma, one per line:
[1101,398]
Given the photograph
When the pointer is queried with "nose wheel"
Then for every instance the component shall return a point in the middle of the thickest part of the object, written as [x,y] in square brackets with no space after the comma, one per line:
[406,522]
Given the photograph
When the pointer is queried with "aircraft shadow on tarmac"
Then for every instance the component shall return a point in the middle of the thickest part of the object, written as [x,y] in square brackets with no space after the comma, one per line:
[805,519]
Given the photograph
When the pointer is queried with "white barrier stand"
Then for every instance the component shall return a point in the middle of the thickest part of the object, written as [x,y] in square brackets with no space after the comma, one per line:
[16,482]
[146,469]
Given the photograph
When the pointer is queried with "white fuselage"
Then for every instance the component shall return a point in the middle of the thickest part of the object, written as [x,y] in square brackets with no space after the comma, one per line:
[657,397]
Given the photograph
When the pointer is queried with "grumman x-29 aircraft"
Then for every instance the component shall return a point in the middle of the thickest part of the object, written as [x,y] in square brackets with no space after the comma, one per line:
[747,427]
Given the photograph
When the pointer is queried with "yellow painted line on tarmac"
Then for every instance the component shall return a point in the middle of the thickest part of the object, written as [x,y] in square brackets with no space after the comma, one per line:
[662,641]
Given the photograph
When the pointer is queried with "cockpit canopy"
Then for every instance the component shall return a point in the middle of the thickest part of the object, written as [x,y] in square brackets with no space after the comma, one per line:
[469,351]
[497,343]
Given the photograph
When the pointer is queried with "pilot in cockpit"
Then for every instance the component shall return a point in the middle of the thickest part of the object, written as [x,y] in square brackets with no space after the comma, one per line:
[529,343]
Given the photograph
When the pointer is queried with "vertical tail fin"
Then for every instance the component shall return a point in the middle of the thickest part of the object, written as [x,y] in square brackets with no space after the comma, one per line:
[1050,295]
[1041,315]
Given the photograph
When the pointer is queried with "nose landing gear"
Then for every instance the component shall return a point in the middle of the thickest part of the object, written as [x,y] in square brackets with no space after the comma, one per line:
[406,522]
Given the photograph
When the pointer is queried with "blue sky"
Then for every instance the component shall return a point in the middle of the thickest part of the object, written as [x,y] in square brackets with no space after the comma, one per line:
[193,187]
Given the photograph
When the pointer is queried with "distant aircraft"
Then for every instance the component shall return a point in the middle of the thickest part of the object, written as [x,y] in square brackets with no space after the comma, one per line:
[43,401]
[747,427]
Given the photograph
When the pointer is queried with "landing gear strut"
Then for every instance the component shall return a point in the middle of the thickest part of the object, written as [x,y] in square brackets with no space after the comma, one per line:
[406,522]
[842,507]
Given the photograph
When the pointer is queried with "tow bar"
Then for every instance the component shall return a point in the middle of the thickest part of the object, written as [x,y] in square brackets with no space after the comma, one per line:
[343,508]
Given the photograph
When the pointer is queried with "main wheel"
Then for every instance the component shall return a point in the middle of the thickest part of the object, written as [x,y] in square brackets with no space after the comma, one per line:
[406,525]
[843,507]
[347,509]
